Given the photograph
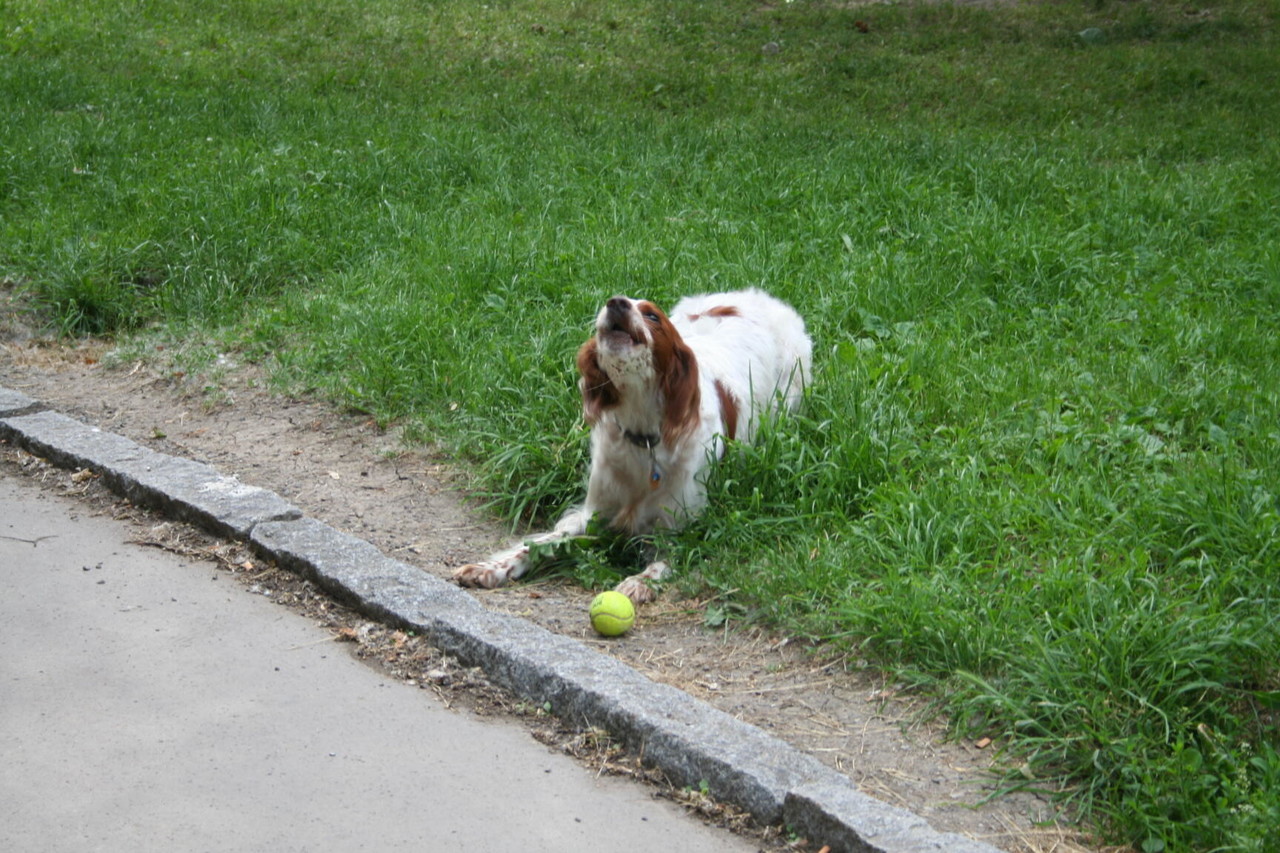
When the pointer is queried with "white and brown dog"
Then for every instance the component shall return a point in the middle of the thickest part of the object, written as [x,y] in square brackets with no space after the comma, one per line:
[662,396]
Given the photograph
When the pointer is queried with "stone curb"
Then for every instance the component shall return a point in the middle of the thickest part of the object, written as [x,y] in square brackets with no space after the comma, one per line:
[179,487]
[691,742]
[14,403]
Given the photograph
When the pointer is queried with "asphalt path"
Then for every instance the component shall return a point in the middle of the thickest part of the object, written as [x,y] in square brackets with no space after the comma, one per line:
[147,703]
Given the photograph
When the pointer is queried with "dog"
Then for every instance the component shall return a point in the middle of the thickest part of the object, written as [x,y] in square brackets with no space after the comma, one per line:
[662,396]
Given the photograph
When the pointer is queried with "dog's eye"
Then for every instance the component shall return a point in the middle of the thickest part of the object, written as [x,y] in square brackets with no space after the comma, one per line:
[651,317]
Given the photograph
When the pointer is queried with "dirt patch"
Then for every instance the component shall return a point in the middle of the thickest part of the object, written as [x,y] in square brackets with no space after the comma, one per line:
[347,473]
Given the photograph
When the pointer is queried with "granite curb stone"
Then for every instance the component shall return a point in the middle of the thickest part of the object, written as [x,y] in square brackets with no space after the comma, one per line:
[847,819]
[180,487]
[14,403]
[691,742]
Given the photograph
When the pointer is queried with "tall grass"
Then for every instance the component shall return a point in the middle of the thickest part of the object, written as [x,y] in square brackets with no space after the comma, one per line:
[1036,245]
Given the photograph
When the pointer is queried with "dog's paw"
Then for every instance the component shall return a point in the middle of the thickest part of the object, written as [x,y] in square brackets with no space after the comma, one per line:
[489,575]
[637,589]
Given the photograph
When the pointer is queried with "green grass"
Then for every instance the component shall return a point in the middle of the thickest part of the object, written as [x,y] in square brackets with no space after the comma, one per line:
[1037,473]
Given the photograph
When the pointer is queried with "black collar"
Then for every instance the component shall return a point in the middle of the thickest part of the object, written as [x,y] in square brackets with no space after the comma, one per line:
[648,442]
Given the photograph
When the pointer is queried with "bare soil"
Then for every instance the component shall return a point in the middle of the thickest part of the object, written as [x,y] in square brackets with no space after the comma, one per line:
[410,502]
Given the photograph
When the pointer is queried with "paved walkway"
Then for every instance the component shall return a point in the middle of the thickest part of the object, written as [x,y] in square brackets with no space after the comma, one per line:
[146,703]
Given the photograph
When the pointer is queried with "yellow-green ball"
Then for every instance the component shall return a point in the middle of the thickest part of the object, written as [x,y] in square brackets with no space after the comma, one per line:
[612,614]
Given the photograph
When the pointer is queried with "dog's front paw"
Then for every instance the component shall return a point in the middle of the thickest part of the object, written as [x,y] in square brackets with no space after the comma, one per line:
[637,589]
[490,574]
[495,571]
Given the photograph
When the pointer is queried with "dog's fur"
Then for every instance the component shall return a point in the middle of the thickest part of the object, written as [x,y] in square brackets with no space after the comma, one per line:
[662,396]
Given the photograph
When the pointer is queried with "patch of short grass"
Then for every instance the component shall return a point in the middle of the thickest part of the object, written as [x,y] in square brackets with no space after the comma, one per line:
[1036,245]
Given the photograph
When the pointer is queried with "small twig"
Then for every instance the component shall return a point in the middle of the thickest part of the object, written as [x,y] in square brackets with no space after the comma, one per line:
[32,542]
[332,639]
[781,687]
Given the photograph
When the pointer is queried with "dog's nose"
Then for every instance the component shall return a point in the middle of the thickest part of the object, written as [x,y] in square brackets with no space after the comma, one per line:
[619,303]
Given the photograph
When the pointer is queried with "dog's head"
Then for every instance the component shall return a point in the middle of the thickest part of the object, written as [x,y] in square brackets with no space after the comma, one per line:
[638,361]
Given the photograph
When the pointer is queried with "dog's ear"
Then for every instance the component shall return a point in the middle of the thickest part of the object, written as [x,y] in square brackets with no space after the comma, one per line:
[598,391]
[680,394]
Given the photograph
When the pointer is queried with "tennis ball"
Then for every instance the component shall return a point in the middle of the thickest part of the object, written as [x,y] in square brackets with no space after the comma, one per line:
[612,614]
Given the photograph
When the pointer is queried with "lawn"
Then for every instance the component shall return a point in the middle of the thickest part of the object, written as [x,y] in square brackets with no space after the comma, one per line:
[1037,246]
